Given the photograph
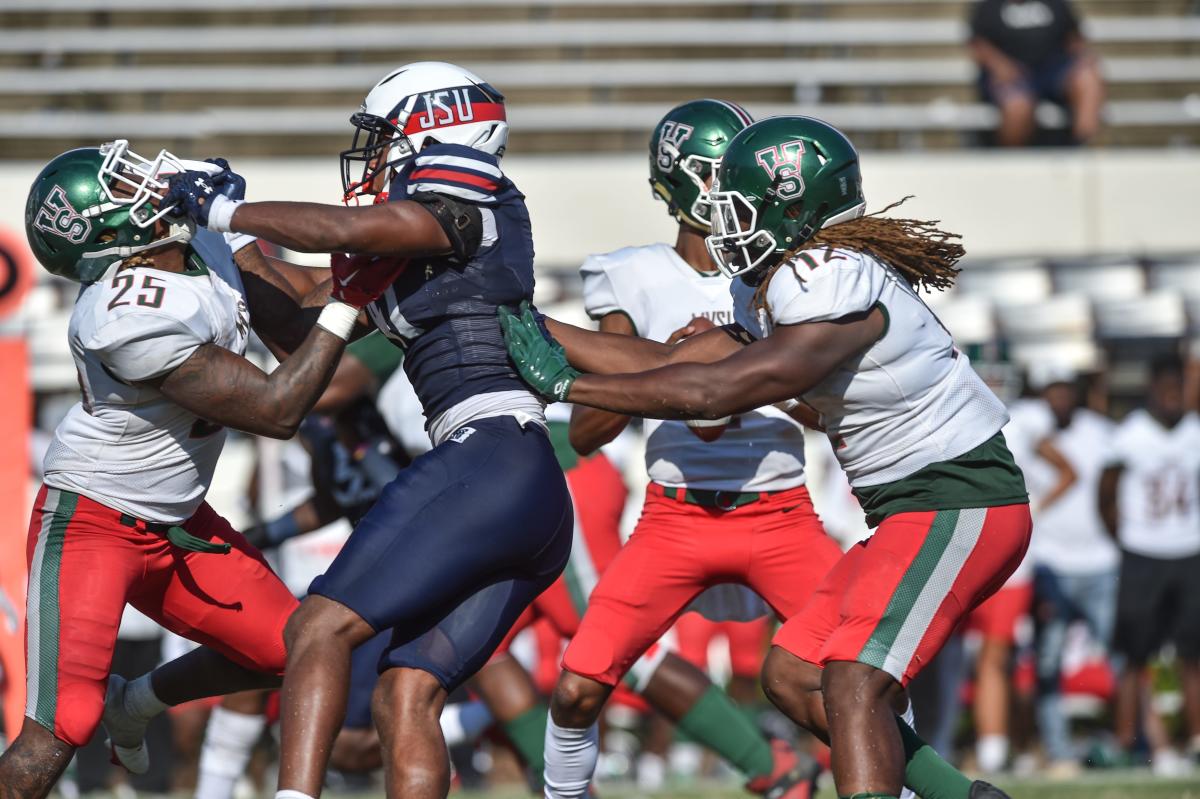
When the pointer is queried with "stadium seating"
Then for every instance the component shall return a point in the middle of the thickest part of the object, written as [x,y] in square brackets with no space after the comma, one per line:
[580,74]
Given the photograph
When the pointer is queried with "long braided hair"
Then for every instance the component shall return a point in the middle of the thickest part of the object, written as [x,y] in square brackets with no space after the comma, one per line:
[920,251]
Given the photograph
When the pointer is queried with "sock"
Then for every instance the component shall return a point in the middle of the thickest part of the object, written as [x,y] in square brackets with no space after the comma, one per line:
[991,752]
[289,794]
[463,722]
[140,700]
[870,796]
[570,760]
[718,724]
[926,772]
[228,743]
[528,733]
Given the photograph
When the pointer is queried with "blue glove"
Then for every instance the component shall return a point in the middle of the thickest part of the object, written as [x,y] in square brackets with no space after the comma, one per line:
[209,200]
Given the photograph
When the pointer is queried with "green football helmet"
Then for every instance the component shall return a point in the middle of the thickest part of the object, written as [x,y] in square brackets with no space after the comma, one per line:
[685,148]
[77,223]
[779,182]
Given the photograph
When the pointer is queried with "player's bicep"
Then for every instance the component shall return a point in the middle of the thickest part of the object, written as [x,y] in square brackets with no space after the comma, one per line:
[217,385]
[403,227]
[793,359]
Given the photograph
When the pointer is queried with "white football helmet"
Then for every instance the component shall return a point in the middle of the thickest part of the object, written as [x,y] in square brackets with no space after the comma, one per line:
[426,100]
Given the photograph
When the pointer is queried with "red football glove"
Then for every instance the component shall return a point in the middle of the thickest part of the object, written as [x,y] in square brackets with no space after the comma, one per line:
[358,280]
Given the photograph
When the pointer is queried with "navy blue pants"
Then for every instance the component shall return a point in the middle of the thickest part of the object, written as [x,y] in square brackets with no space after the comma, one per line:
[456,547]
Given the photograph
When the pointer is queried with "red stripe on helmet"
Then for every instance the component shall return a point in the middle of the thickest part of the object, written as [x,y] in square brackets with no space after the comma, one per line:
[480,112]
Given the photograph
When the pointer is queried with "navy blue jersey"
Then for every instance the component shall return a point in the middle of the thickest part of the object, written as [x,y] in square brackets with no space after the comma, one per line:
[442,310]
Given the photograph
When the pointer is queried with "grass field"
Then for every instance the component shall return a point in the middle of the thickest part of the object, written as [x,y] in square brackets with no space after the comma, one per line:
[1116,785]
[1101,785]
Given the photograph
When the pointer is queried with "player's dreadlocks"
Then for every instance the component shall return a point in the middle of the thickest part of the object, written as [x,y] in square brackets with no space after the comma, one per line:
[918,250]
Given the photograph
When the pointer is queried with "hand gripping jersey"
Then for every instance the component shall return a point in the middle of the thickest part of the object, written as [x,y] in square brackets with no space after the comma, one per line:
[911,399]
[442,310]
[1158,496]
[125,445]
[760,451]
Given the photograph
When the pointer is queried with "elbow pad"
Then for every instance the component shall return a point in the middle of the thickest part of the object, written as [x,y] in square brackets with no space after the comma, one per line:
[462,222]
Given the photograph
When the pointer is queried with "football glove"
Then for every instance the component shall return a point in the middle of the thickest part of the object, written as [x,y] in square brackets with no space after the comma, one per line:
[209,200]
[358,280]
[540,360]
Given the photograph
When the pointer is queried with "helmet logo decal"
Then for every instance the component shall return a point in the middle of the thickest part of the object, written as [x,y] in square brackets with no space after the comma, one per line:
[782,163]
[673,135]
[59,217]
[438,113]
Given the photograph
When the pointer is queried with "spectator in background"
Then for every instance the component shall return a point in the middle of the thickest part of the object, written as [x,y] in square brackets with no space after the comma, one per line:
[1031,50]
[1075,562]
[1028,434]
[1150,503]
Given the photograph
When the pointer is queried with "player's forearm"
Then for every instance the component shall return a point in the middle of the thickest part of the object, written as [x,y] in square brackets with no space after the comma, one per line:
[592,428]
[294,387]
[684,391]
[304,227]
[279,310]
[608,353]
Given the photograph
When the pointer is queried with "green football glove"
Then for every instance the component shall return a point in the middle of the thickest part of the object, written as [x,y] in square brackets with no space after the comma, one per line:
[541,361]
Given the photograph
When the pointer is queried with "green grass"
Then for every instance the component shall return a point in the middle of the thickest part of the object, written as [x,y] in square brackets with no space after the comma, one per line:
[1111,785]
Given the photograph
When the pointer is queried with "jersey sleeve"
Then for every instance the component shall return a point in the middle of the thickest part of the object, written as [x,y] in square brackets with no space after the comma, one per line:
[459,172]
[144,344]
[599,292]
[817,288]
[381,357]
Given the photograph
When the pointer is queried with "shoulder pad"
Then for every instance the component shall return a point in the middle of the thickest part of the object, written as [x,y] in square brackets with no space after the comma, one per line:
[462,222]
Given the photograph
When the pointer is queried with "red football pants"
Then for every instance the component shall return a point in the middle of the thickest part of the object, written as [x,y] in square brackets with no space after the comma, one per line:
[84,565]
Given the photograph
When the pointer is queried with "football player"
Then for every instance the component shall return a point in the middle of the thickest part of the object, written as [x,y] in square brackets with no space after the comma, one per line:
[158,334]
[733,510]
[827,309]
[468,535]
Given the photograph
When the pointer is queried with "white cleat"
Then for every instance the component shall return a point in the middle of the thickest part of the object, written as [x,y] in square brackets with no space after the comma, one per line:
[126,735]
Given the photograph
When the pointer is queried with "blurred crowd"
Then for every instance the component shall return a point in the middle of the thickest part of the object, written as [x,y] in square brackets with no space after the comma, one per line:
[1088,658]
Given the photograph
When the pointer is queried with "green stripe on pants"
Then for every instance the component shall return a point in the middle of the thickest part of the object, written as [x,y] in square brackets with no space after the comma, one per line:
[42,635]
[875,651]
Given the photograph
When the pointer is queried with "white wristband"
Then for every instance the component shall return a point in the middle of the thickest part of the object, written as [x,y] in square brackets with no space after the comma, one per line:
[338,318]
[237,241]
[220,213]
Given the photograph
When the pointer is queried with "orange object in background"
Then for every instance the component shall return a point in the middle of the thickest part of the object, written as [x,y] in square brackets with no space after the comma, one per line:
[16,398]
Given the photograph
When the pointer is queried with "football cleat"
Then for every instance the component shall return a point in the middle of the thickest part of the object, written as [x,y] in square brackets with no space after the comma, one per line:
[126,735]
[793,775]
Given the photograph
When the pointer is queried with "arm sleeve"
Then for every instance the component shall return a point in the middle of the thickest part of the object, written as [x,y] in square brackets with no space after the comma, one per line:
[145,345]
[599,292]
[381,357]
[812,289]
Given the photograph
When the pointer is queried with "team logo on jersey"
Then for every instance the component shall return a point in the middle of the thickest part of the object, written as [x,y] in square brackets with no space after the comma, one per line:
[59,217]
[782,163]
[462,434]
[673,135]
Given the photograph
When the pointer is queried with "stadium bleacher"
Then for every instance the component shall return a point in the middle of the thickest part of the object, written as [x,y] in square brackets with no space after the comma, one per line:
[580,74]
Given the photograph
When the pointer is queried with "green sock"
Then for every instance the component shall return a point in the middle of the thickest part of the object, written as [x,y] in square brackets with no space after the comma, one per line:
[718,724]
[926,772]
[870,796]
[528,733]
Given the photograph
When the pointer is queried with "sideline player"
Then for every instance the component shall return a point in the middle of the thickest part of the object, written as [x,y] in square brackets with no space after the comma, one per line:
[827,310]
[158,334]
[733,510]
[465,538]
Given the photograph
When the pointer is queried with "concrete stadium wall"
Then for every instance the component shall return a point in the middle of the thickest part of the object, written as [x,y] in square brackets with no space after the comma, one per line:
[1026,203]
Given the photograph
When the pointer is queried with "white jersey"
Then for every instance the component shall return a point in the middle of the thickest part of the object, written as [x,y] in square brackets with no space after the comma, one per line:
[759,451]
[1157,496]
[911,400]
[1069,536]
[125,445]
